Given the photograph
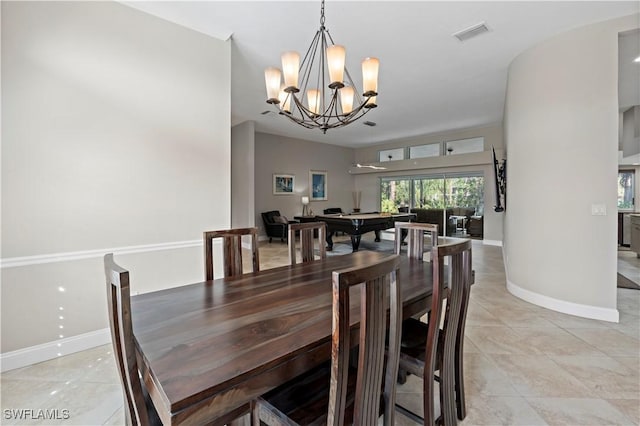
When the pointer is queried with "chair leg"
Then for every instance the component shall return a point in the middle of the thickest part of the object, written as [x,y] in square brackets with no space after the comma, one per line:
[447,394]
[427,402]
[461,409]
[402,376]
[269,240]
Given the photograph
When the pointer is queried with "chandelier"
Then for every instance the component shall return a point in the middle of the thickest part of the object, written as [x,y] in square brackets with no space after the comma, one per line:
[331,97]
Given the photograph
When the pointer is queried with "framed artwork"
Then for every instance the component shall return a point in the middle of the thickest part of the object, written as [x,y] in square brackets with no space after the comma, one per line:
[283,184]
[317,185]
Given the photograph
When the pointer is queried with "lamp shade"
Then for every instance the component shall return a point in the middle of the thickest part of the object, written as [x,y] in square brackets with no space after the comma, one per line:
[370,76]
[335,63]
[285,99]
[272,81]
[305,201]
[346,99]
[290,67]
[313,100]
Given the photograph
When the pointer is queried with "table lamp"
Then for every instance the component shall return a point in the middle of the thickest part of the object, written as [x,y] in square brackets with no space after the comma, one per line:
[305,202]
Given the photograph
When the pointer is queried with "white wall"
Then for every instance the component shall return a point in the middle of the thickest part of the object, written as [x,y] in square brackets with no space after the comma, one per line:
[369,182]
[278,154]
[115,137]
[242,175]
[561,134]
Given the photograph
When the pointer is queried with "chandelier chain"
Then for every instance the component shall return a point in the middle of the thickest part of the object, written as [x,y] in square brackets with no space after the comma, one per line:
[322,14]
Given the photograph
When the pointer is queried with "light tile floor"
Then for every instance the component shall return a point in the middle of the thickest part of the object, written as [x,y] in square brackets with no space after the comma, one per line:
[524,365]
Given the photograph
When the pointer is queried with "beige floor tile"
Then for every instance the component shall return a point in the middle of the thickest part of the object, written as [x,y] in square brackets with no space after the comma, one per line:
[519,316]
[628,407]
[633,363]
[479,316]
[611,342]
[497,340]
[485,378]
[555,341]
[605,376]
[500,410]
[25,394]
[86,402]
[578,411]
[571,321]
[537,375]
[116,419]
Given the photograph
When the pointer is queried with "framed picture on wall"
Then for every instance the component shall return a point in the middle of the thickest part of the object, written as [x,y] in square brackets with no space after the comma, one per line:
[283,184]
[317,185]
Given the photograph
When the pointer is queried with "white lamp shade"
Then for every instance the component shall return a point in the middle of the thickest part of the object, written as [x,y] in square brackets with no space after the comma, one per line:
[346,99]
[335,62]
[285,99]
[305,200]
[313,100]
[370,75]
[272,81]
[290,68]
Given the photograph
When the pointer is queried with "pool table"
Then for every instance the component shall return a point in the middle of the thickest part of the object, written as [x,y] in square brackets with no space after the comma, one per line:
[357,224]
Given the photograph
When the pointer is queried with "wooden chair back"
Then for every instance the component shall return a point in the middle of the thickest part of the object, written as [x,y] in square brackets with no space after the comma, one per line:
[414,237]
[378,281]
[118,297]
[307,240]
[457,276]
[232,251]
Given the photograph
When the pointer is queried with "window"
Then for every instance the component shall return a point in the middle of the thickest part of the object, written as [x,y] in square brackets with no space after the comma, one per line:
[391,154]
[626,199]
[464,146]
[437,191]
[394,193]
[422,151]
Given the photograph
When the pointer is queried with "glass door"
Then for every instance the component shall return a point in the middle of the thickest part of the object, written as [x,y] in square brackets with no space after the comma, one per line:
[395,194]
[626,190]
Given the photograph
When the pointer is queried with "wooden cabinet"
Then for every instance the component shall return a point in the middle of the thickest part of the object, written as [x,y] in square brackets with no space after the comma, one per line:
[635,233]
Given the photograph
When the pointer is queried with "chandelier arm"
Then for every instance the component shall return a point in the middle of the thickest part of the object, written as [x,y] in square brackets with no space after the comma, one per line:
[304,111]
[311,53]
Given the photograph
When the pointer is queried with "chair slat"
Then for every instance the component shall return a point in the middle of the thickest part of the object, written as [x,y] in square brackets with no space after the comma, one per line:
[306,231]
[231,251]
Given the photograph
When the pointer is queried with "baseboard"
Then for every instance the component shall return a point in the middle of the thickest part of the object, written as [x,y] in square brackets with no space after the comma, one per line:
[496,243]
[50,350]
[584,311]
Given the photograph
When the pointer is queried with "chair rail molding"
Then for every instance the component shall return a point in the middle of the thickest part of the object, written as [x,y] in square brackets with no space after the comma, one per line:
[13,262]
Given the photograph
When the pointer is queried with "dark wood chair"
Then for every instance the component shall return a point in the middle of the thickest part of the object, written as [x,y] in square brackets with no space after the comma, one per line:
[307,241]
[414,237]
[328,394]
[441,349]
[138,408]
[232,251]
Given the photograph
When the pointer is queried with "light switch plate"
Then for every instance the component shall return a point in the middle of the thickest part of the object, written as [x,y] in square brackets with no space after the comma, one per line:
[598,209]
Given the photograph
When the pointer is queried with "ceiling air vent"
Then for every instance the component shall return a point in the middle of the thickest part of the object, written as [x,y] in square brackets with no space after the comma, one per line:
[471,32]
[369,123]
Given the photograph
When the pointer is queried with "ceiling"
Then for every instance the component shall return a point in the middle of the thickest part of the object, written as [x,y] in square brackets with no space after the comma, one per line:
[429,81]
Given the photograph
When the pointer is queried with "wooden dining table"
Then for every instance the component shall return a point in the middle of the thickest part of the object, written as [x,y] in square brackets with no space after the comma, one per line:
[208,349]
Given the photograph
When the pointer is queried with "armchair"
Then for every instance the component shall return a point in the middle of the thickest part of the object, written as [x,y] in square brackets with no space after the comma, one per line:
[276,225]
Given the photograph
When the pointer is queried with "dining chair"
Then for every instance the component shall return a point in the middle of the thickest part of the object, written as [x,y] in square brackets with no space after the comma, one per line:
[441,348]
[138,408]
[232,251]
[414,232]
[307,240]
[332,392]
